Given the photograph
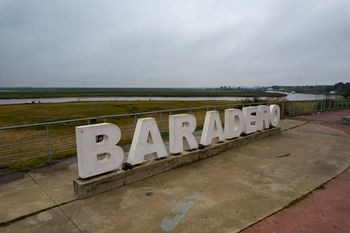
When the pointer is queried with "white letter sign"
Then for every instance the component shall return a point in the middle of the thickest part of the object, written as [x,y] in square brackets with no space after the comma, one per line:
[250,120]
[146,140]
[275,114]
[263,117]
[212,128]
[233,123]
[98,153]
[181,127]
[96,149]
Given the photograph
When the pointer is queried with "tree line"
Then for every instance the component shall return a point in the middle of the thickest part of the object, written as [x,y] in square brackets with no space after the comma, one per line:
[340,88]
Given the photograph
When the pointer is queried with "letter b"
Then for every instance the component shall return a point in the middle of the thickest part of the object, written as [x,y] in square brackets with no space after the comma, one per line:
[96,149]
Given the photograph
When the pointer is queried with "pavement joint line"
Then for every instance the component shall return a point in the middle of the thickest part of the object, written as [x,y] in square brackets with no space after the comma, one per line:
[41,188]
[56,204]
[295,126]
[69,219]
[3,224]
[296,200]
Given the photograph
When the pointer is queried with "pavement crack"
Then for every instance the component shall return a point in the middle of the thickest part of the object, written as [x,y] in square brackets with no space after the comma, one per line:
[55,205]
[283,155]
[42,189]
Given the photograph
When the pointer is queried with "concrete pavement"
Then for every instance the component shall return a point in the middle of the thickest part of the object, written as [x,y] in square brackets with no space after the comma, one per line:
[224,193]
[327,209]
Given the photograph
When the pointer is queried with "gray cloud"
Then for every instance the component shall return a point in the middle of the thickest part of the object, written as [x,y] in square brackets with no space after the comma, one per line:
[173,43]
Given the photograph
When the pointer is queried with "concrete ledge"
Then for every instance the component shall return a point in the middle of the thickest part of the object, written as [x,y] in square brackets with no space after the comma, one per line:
[84,188]
[346,120]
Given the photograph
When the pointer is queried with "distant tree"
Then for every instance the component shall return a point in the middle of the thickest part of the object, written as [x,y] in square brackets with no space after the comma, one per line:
[346,94]
[340,87]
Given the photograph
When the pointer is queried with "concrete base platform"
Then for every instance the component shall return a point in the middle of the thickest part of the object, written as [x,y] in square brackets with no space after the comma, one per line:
[84,188]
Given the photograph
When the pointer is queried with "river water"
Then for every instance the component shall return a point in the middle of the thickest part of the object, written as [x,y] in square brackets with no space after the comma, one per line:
[289,96]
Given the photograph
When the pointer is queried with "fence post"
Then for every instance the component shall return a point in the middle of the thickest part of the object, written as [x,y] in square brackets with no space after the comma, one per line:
[336,103]
[282,108]
[160,122]
[49,150]
[316,106]
[322,105]
[135,120]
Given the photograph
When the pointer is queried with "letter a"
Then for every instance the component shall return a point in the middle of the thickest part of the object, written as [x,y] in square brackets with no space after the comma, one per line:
[212,128]
[146,140]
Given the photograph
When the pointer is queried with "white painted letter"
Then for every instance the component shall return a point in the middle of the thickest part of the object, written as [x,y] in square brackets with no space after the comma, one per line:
[96,149]
[146,140]
[212,128]
[275,114]
[181,127]
[250,120]
[233,123]
[263,117]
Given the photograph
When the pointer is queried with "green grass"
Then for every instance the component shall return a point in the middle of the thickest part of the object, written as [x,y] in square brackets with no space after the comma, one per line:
[18,93]
[36,113]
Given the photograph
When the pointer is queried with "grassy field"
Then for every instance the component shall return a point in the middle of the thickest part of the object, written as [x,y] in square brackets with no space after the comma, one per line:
[32,142]
[17,93]
[36,113]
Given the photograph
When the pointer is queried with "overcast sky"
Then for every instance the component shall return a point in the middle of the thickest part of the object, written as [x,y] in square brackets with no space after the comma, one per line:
[173,43]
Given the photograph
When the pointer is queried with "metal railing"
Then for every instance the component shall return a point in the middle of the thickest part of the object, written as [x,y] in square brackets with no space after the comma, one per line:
[44,142]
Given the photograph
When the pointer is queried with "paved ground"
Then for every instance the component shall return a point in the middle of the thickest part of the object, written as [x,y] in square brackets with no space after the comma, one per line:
[330,119]
[224,193]
[326,209]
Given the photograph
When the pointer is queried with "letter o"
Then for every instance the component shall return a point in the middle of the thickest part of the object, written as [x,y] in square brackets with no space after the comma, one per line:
[275,115]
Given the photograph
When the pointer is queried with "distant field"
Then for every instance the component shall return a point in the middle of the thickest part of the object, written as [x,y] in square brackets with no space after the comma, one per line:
[35,113]
[18,93]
